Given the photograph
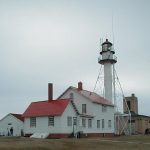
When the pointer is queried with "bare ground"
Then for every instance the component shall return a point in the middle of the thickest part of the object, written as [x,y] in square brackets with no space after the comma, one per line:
[115,143]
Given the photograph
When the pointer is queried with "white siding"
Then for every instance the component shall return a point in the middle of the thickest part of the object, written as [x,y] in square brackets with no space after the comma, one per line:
[60,123]
[42,125]
[68,112]
[10,121]
[79,100]
[94,110]
[99,115]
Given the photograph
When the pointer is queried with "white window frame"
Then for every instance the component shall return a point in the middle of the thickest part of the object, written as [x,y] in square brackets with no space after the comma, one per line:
[74,120]
[84,122]
[84,108]
[32,122]
[109,123]
[69,121]
[51,121]
[89,123]
[71,96]
[98,124]
[104,108]
[103,123]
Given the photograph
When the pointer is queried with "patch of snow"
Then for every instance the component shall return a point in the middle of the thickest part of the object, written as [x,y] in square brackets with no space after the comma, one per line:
[39,135]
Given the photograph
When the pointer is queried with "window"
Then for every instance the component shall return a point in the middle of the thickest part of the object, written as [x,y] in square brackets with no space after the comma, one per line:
[69,121]
[98,123]
[51,121]
[89,123]
[74,120]
[109,123]
[83,122]
[33,122]
[103,125]
[84,108]
[129,104]
[104,108]
[71,96]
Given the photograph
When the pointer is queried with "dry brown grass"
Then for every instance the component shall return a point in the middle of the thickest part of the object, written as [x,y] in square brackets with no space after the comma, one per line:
[115,143]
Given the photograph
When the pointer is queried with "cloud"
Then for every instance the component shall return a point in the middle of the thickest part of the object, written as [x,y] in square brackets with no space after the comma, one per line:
[53,41]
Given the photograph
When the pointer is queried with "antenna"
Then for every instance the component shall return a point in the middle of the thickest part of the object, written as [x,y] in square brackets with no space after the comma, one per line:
[113,36]
[101,41]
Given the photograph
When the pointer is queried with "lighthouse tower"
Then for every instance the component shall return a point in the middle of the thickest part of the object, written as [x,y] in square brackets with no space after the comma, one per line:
[108,59]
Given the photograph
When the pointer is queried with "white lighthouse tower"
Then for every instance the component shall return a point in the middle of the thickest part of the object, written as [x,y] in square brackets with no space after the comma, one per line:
[108,59]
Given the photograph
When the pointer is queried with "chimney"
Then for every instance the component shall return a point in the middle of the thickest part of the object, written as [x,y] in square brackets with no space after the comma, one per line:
[80,86]
[50,91]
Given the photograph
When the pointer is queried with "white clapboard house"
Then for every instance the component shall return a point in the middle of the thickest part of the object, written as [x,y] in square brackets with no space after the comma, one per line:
[76,112]
[95,114]
[12,125]
[49,118]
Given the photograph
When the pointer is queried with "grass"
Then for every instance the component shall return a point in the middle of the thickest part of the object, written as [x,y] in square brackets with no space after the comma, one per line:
[115,143]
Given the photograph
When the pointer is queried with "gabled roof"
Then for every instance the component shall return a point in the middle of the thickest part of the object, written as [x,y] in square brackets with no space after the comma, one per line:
[46,108]
[133,114]
[93,97]
[18,116]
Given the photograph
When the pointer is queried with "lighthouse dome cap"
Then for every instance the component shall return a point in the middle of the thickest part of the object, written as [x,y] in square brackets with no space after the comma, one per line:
[107,42]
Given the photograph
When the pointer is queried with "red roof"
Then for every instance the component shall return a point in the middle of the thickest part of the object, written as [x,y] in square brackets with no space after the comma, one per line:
[45,108]
[18,116]
[95,97]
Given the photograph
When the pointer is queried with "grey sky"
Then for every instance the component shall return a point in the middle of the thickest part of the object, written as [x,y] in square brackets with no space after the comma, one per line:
[57,41]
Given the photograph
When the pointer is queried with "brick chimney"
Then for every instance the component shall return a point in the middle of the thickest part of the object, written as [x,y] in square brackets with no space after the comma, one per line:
[50,91]
[80,86]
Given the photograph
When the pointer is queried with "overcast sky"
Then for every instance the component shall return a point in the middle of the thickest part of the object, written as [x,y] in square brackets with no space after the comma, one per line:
[58,41]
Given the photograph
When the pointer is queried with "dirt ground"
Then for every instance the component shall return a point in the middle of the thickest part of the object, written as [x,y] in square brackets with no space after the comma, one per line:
[115,143]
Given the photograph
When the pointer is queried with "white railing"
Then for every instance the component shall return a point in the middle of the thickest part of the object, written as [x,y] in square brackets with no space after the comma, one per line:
[112,58]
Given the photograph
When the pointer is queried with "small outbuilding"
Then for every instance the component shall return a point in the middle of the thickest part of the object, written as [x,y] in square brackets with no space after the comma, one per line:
[12,125]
